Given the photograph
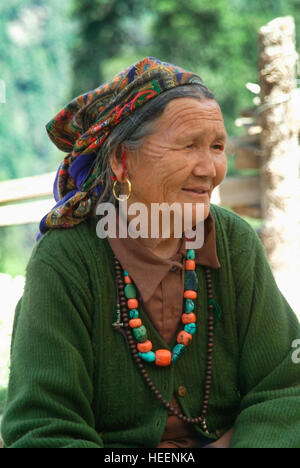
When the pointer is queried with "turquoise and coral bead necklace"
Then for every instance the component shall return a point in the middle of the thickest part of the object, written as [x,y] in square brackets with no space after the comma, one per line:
[164,357]
[140,345]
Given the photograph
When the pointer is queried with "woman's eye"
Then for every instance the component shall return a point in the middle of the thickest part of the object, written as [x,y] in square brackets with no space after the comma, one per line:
[190,146]
[219,147]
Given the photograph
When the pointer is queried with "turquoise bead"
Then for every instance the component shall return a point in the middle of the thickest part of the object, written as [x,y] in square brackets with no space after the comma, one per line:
[190,255]
[134,313]
[130,291]
[190,328]
[177,351]
[190,280]
[140,334]
[189,305]
[148,357]
[125,273]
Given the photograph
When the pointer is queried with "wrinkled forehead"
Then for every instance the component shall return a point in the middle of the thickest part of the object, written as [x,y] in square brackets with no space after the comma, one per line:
[189,114]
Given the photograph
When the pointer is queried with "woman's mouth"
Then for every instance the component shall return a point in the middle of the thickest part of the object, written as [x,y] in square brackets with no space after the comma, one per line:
[196,192]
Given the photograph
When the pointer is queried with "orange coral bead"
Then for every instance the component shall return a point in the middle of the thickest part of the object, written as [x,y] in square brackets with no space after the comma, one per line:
[144,347]
[190,294]
[188,318]
[132,303]
[127,280]
[190,264]
[163,357]
[134,323]
[184,338]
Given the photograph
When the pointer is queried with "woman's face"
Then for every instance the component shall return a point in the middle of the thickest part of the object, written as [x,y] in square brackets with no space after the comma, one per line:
[183,160]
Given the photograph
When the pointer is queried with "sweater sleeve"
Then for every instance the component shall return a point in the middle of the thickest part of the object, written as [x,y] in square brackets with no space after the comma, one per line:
[50,392]
[268,331]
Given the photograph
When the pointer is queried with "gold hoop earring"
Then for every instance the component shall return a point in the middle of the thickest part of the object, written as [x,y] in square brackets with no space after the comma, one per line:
[129,190]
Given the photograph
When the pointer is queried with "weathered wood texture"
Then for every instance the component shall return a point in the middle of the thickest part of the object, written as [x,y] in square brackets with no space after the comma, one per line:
[279,144]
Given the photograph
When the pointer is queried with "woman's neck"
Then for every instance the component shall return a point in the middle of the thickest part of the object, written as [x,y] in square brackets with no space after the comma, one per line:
[164,247]
[167,248]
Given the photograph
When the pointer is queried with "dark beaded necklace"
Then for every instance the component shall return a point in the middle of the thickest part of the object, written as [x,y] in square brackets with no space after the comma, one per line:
[123,321]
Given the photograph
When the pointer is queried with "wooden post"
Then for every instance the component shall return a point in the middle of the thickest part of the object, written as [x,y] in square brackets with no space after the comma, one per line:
[280,151]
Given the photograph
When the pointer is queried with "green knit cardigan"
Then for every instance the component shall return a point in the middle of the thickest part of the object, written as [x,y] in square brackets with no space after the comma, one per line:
[73,382]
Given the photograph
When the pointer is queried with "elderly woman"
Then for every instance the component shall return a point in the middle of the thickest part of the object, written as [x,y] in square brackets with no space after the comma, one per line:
[142,342]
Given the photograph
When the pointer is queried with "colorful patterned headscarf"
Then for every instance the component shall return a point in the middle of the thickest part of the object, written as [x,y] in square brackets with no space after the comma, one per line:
[84,124]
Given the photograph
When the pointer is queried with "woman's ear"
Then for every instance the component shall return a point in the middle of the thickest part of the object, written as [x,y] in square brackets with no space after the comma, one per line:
[116,163]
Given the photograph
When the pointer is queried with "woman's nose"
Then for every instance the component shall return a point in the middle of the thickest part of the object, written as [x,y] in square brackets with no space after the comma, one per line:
[205,165]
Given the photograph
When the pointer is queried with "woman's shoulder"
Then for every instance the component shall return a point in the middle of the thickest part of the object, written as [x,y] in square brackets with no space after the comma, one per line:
[230,222]
[79,244]
[237,243]
[234,233]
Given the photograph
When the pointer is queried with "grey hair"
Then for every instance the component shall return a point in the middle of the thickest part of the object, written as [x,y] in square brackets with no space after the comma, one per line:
[133,130]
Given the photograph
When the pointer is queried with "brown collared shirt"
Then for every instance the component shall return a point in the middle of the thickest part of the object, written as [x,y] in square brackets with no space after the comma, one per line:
[160,284]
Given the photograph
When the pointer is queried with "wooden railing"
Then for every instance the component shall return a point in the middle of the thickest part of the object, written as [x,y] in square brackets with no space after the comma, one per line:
[26,200]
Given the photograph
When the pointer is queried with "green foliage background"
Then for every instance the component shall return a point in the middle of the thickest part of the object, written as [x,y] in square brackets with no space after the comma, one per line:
[53,51]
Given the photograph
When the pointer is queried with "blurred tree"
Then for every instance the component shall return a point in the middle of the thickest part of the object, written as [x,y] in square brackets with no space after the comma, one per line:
[35,66]
[109,30]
